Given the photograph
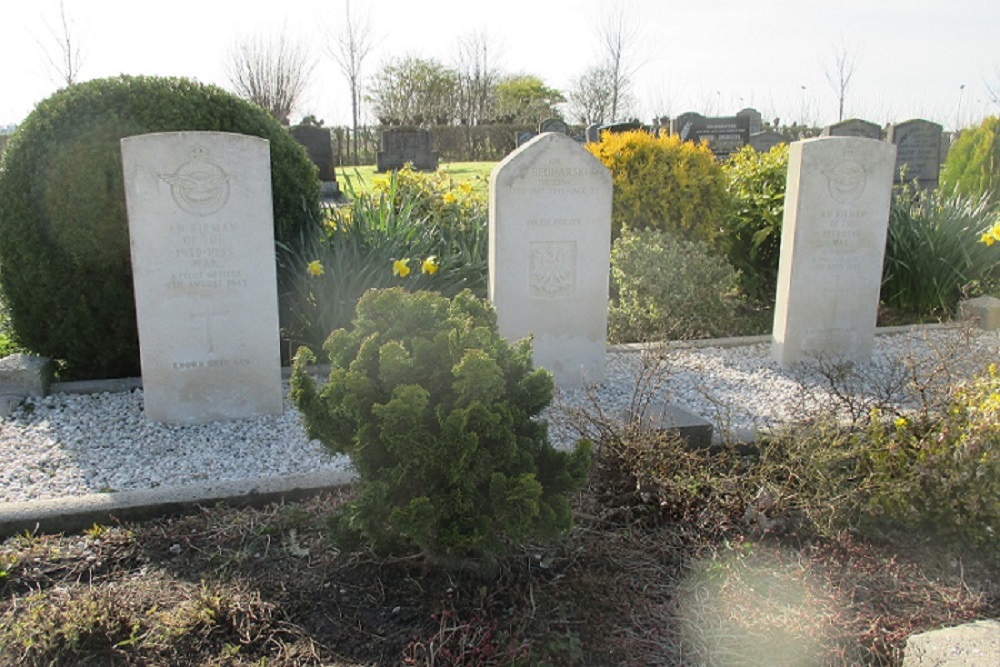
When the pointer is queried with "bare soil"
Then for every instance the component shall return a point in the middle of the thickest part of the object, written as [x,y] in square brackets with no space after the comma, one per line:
[631,585]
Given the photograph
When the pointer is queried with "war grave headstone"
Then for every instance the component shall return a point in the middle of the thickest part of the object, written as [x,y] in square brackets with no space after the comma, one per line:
[832,246]
[725,134]
[202,239]
[853,127]
[549,255]
[765,141]
[401,145]
[316,141]
[918,152]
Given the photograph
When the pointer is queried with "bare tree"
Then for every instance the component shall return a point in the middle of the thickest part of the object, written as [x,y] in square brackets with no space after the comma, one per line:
[351,47]
[623,51]
[993,87]
[839,74]
[272,72]
[68,60]
[477,64]
[588,96]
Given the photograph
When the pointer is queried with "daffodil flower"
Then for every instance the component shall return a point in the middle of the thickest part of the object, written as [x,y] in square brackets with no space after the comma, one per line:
[448,198]
[991,236]
[315,268]
[430,265]
[466,187]
[401,267]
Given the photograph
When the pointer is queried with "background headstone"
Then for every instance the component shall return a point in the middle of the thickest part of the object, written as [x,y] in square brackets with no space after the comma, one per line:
[549,256]
[918,152]
[202,236]
[765,141]
[725,134]
[853,127]
[400,146]
[316,141]
[832,247]
[593,133]
[553,125]
[755,119]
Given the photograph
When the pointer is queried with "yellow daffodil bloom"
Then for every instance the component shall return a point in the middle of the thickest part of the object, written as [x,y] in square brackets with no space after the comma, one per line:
[448,198]
[430,265]
[466,187]
[991,236]
[315,268]
[401,267]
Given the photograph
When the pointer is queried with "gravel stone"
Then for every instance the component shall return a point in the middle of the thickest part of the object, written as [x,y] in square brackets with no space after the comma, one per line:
[75,444]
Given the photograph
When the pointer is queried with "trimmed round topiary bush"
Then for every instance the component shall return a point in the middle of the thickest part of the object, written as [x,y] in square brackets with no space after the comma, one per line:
[438,414]
[65,269]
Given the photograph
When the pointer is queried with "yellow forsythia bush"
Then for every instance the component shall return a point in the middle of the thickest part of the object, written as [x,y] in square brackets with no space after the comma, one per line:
[664,183]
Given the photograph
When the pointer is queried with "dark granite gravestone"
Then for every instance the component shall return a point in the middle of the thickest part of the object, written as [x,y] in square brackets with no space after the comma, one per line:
[617,128]
[401,146]
[525,137]
[853,127]
[725,134]
[918,152]
[765,141]
[593,133]
[316,141]
[553,125]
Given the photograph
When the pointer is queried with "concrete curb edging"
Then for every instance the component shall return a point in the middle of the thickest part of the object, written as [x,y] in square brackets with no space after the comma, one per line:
[75,513]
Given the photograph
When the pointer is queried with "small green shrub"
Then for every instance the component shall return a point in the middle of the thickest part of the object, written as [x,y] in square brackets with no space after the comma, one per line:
[669,288]
[401,234]
[65,268]
[943,473]
[751,235]
[663,183]
[972,168]
[438,415]
[935,252]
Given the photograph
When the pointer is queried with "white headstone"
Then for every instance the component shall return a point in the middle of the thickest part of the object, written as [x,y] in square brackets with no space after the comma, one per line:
[832,246]
[202,238]
[550,253]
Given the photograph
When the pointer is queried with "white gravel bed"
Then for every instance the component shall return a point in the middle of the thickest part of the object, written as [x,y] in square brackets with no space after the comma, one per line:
[70,444]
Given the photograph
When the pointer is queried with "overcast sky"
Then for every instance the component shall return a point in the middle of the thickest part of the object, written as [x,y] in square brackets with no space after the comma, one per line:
[711,56]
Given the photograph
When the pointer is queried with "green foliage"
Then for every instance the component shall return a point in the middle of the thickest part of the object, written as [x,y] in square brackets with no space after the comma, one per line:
[412,230]
[973,165]
[415,91]
[663,183]
[752,231]
[934,251]
[526,99]
[668,288]
[438,415]
[943,473]
[65,268]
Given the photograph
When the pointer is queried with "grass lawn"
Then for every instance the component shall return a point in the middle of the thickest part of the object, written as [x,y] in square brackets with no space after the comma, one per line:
[363,178]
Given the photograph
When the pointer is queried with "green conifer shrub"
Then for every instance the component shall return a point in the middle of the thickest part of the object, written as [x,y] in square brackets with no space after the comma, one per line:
[65,269]
[973,164]
[438,415]
[663,183]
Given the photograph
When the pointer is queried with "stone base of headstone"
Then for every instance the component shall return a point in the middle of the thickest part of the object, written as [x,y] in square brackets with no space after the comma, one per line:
[969,645]
[329,190]
[673,419]
[982,312]
[22,375]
